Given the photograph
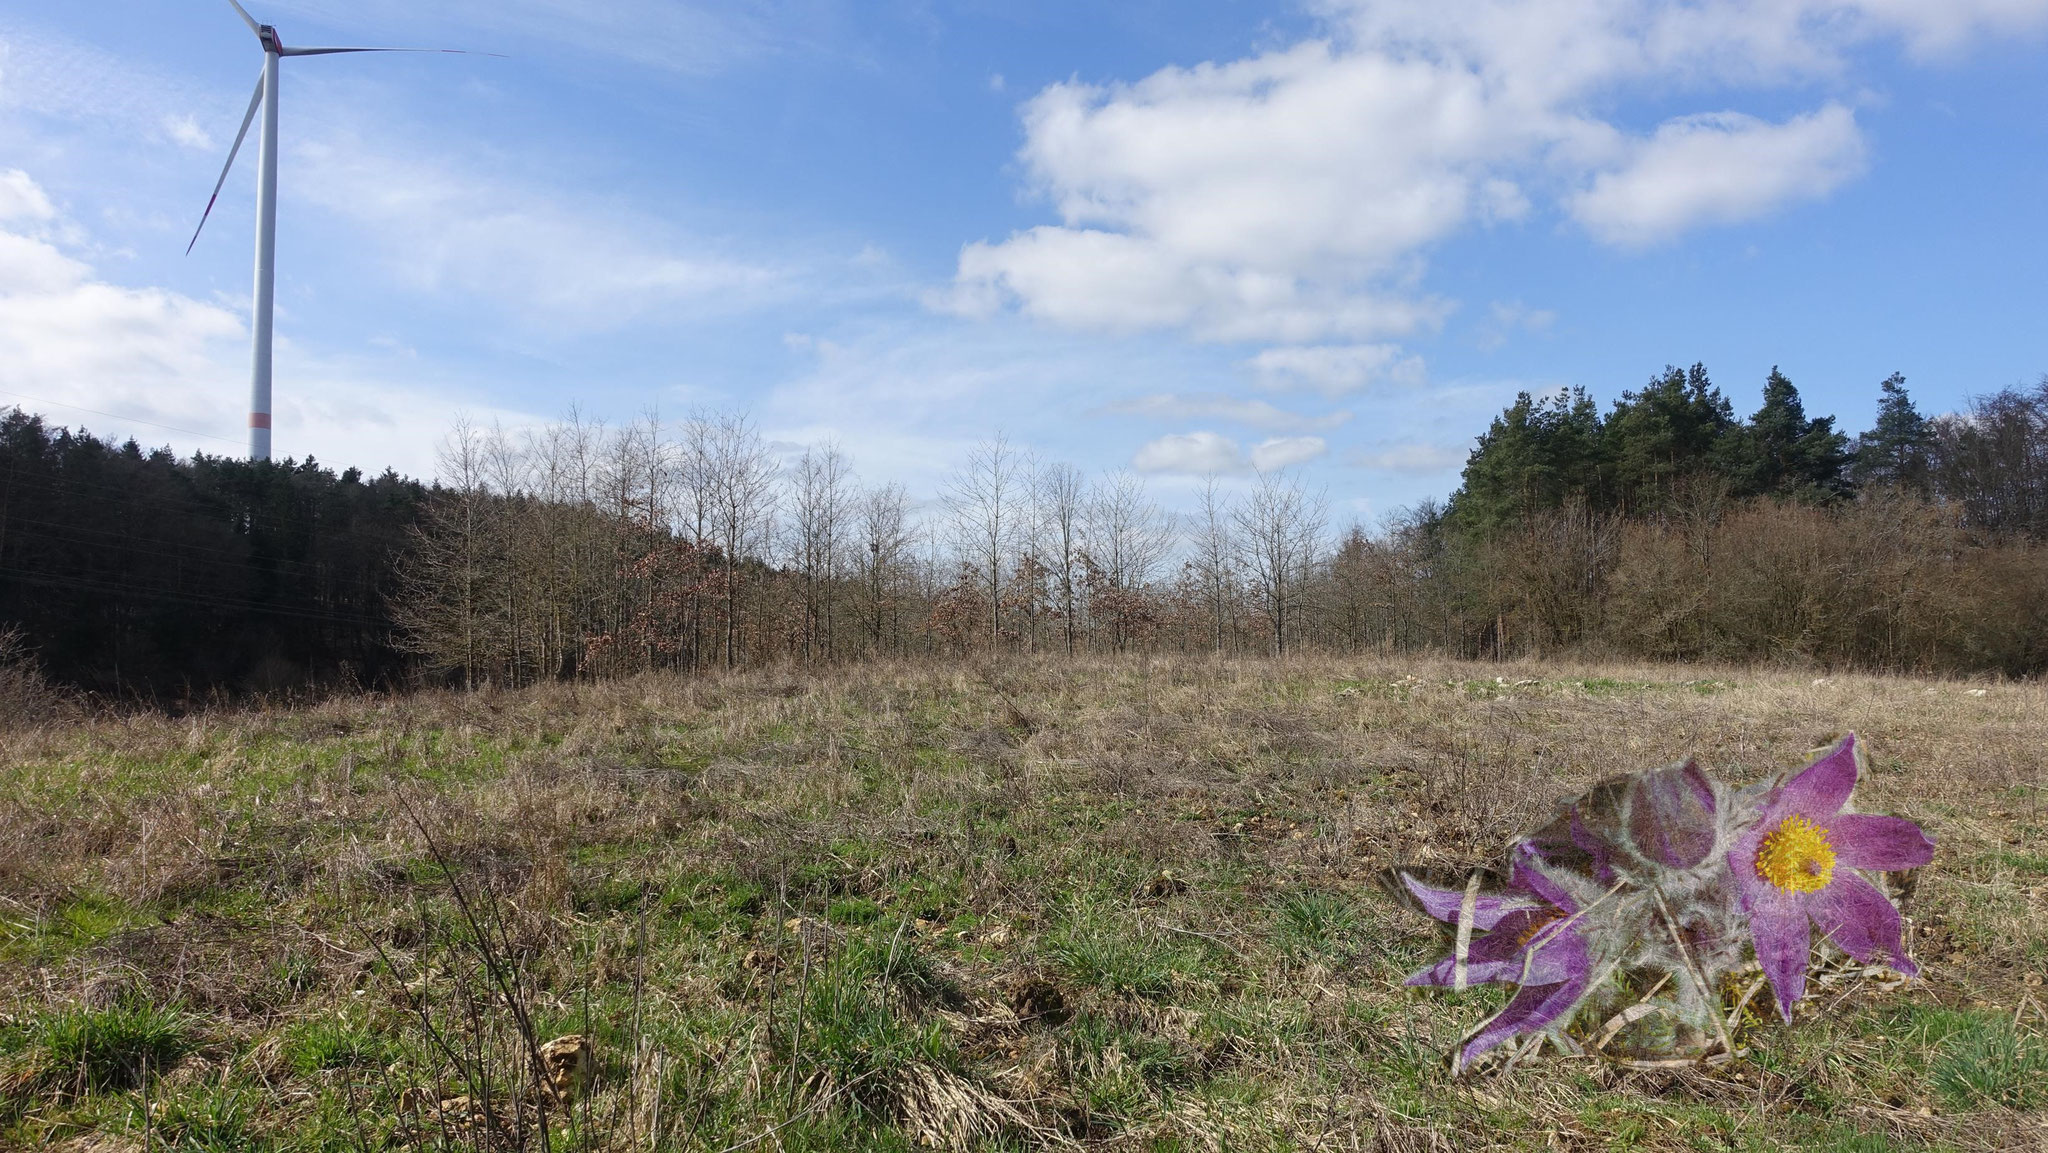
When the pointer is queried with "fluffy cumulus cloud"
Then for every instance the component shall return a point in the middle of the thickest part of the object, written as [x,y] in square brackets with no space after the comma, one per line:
[166,368]
[1209,453]
[1719,168]
[61,329]
[22,199]
[1337,369]
[1291,196]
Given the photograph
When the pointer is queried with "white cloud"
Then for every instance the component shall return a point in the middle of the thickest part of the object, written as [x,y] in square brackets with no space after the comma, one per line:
[161,366]
[1191,453]
[1719,168]
[1293,194]
[1286,452]
[32,266]
[1088,278]
[77,81]
[1412,458]
[1337,369]
[1218,406]
[567,265]
[1206,453]
[186,131]
[22,199]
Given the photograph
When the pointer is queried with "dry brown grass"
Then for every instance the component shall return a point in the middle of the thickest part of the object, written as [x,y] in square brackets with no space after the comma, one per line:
[995,837]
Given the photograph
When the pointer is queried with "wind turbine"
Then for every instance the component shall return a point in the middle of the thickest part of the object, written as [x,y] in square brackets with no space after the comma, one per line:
[266,210]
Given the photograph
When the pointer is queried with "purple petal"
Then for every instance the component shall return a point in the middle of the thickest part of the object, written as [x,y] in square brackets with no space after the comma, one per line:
[1671,816]
[1499,955]
[1598,850]
[1566,844]
[1742,862]
[1532,1007]
[1525,876]
[1869,842]
[1784,940]
[1820,789]
[1445,972]
[1445,904]
[1860,921]
[1556,952]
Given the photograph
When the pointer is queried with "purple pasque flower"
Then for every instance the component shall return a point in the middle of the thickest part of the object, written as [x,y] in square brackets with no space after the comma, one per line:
[1795,870]
[1531,940]
[1643,827]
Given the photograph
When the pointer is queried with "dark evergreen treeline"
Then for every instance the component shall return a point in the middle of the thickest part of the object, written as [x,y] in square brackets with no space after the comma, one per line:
[1668,528]
[133,574]
[1661,446]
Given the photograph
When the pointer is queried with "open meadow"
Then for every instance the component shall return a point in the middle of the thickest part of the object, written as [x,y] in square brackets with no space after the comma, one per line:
[1125,904]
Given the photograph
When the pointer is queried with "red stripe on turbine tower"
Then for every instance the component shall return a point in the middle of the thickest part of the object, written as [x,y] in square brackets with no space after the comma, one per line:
[259,420]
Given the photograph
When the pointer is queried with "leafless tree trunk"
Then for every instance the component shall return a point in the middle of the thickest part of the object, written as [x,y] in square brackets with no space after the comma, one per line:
[981,499]
[1060,495]
[445,597]
[1214,557]
[1279,536]
[819,502]
[884,551]
[739,479]
[1128,537]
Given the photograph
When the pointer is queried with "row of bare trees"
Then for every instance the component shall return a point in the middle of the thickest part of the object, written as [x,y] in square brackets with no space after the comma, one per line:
[578,549]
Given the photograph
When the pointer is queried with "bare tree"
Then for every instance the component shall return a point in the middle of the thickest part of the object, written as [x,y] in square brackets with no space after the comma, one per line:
[819,503]
[738,478]
[1993,460]
[1213,558]
[445,600]
[1060,496]
[1128,537]
[981,499]
[883,555]
[1279,536]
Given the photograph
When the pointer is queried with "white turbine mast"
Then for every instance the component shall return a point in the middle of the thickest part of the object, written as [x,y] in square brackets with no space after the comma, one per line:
[266,211]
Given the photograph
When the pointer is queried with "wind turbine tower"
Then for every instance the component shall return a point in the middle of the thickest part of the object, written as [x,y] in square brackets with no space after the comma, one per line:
[265,98]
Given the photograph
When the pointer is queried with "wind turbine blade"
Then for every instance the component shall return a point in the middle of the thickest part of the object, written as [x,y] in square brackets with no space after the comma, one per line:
[248,19]
[332,51]
[254,102]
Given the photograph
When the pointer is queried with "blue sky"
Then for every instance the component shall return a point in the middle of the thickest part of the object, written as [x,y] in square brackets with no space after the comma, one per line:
[1180,237]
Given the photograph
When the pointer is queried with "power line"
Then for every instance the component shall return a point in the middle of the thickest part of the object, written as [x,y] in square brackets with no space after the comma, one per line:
[118,416]
[222,604]
[180,549]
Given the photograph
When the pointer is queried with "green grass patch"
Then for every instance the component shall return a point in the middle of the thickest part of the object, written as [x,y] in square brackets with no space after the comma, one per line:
[1096,951]
[1985,1063]
[329,1043]
[93,1050]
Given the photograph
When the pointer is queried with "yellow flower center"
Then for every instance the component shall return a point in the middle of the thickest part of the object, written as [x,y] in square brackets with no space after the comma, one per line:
[1796,857]
[1542,921]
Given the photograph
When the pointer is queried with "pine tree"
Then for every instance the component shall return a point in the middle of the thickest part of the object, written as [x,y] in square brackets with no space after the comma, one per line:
[1898,452]
[1781,452]
[1536,455]
[1668,431]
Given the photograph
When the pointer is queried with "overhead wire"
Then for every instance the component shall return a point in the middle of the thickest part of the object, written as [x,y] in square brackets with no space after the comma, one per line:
[117,416]
[200,600]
